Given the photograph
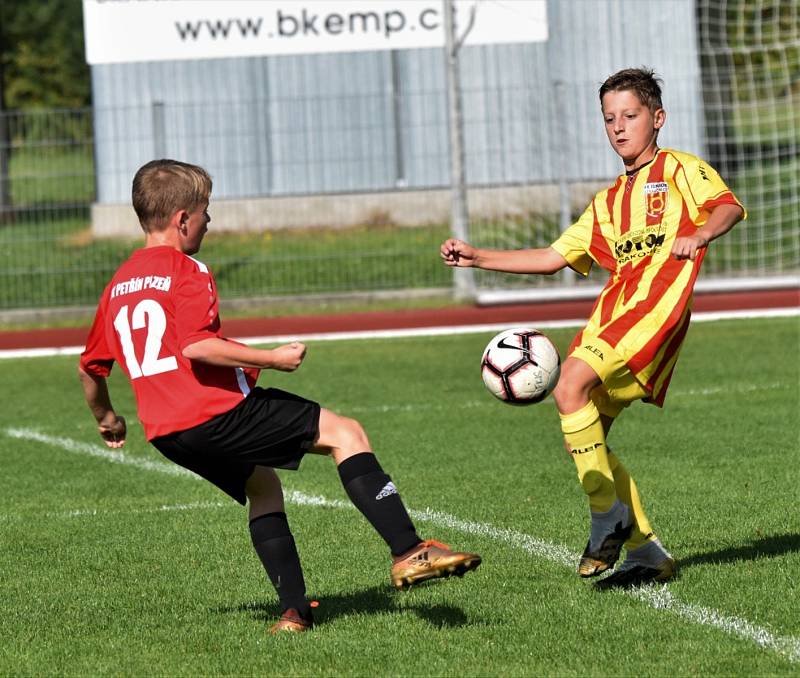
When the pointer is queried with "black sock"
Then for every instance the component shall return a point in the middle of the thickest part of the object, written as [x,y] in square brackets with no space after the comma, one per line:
[275,547]
[374,494]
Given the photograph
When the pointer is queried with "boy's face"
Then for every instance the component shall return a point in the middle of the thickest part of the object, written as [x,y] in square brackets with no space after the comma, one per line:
[193,229]
[631,126]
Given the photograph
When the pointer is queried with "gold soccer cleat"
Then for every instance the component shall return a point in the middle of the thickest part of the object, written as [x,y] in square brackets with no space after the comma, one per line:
[431,560]
[603,558]
[292,622]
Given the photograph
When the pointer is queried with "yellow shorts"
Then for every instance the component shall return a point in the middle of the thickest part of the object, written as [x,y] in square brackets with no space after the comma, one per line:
[619,388]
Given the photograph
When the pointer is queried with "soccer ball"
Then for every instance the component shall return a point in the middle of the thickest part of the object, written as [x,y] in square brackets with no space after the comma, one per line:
[520,366]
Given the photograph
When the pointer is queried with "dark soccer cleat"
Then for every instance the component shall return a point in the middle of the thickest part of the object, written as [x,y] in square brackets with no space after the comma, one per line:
[292,622]
[431,560]
[603,558]
[638,574]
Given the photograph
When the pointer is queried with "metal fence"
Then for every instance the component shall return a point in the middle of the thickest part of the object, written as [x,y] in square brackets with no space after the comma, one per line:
[331,171]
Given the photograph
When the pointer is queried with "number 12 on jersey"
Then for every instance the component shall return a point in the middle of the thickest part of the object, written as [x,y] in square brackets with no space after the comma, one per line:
[147,313]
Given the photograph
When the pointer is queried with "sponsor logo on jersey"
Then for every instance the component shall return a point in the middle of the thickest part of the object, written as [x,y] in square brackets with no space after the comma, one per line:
[638,244]
[655,198]
[387,490]
[154,282]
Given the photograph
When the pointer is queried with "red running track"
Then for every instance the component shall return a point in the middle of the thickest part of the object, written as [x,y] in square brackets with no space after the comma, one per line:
[439,317]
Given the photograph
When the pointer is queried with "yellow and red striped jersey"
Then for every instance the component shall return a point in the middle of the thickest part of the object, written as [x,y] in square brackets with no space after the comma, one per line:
[628,229]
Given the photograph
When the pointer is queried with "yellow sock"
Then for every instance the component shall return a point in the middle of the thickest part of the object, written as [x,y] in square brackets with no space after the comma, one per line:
[628,494]
[586,441]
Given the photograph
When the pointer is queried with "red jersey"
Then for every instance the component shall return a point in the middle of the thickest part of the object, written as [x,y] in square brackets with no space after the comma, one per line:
[157,303]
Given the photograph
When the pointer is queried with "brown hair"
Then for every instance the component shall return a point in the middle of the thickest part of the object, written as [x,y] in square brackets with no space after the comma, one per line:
[641,81]
[162,187]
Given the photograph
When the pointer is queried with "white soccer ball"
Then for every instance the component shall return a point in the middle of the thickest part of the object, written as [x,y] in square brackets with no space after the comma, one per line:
[520,366]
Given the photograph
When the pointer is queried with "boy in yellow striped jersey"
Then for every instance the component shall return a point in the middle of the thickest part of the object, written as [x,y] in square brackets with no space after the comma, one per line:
[650,230]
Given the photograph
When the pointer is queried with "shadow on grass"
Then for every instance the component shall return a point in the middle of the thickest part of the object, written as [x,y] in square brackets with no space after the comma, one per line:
[766,547]
[375,600]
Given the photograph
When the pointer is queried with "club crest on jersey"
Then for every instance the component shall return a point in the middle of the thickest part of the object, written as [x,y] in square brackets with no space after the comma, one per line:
[655,198]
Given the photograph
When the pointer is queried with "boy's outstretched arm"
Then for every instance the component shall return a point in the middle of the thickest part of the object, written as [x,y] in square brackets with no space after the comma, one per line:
[225,353]
[112,428]
[460,254]
[721,220]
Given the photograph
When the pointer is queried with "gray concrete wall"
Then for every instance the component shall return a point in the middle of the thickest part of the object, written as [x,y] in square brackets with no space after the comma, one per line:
[401,208]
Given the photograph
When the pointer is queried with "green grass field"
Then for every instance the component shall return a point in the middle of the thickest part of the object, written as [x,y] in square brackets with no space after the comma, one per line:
[118,565]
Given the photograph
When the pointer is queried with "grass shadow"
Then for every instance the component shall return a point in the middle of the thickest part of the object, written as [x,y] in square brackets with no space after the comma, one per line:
[374,600]
[766,547]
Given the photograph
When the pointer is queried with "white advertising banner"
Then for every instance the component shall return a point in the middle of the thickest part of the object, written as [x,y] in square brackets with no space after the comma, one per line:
[118,31]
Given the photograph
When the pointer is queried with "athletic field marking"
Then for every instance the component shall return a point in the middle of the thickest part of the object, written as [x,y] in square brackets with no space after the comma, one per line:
[114,456]
[81,513]
[717,390]
[657,597]
[423,331]
[489,400]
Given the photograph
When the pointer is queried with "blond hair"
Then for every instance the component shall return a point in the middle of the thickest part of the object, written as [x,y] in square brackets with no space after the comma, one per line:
[162,187]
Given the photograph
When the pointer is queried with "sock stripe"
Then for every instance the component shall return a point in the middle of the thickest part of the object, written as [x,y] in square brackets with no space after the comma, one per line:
[577,421]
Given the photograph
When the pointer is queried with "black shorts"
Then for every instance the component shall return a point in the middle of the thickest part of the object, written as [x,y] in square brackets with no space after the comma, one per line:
[269,427]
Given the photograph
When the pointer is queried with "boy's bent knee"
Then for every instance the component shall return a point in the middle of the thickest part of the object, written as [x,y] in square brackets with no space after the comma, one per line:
[342,435]
[264,492]
[352,436]
[263,481]
[575,385]
[570,398]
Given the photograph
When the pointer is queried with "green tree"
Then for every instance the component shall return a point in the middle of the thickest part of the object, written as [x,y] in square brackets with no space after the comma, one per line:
[42,66]
[42,53]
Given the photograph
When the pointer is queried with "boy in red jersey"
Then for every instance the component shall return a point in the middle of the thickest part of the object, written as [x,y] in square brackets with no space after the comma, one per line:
[650,230]
[199,405]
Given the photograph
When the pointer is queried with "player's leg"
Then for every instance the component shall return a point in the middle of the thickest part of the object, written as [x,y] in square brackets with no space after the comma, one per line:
[275,546]
[367,485]
[585,440]
[208,452]
[627,491]
[646,559]
[264,492]
[374,494]
[624,484]
[583,432]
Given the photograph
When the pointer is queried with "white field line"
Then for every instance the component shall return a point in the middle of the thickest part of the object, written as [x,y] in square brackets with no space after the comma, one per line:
[470,404]
[422,331]
[657,597]
[81,513]
[115,457]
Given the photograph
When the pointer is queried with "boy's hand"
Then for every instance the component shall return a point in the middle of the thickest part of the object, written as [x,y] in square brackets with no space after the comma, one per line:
[113,430]
[687,247]
[457,253]
[287,358]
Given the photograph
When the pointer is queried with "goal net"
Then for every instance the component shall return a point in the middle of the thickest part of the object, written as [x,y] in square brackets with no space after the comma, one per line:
[747,114]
